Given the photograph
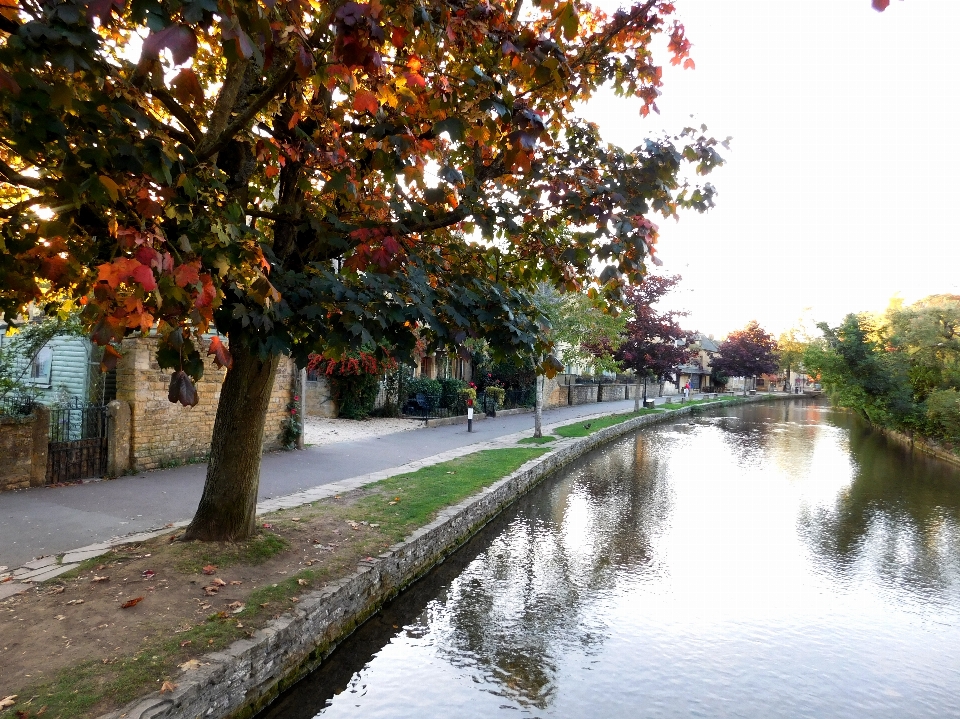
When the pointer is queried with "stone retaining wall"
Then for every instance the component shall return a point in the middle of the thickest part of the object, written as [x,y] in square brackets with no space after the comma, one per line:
[612,392]
[244,679]
[583,393]
[23,450]
[318,399]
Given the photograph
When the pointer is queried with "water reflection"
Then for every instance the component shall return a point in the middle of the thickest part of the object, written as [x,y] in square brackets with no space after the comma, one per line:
[777,560]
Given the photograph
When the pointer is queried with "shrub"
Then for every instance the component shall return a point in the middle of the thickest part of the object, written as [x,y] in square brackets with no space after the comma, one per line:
[430,388]
[450,391]
[354,379]
[497,394]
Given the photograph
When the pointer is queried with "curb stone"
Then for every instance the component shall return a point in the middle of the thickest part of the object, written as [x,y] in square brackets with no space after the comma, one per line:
[243,679]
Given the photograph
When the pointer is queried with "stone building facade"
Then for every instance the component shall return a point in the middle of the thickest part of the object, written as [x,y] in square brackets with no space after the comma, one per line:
[163,433]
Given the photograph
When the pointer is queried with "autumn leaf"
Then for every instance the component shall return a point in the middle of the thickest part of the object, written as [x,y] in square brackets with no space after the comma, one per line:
[221,355]
[167,686]
[186,274]
[113,189]
[179,39]
[211,590]
[182,390]
[365,101]
[144,275]
[100,579]
[190,665]
[109,360]
[8,701]
[219,582]
[210,569]
[131,603]
[186,87]
[8,83]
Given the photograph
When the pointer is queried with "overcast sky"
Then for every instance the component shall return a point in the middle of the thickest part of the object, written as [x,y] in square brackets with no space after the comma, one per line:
[839,186]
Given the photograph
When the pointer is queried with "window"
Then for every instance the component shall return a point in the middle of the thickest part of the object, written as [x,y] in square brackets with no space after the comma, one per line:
[42,364]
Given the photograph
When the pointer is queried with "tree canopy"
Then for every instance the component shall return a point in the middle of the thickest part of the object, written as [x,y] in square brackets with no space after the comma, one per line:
[749,352]
[310,176]
[654,344]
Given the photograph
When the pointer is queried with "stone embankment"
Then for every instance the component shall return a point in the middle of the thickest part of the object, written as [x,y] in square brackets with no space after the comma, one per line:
[242,680]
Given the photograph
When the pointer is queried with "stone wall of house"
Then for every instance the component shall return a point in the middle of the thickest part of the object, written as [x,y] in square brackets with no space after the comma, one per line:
[583,393]
[164,433]
[23,447]
[611,392]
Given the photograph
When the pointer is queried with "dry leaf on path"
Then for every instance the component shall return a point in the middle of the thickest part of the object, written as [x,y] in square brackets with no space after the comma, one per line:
[210,569]
[8,701]
[235,583]
[100,579]
[302,582]
[211,590]
[186,643]
[148,574]
[131,603]
[190,664]
[60,617]
[75,601]
[167,687]
[57,590]
[219,582]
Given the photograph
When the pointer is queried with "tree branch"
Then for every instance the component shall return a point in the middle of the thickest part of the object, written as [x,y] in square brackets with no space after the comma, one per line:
[12,177]
[22,205]
[179,112]
[244,117]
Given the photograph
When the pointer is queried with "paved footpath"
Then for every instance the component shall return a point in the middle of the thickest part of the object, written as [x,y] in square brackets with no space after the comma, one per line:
[52,520]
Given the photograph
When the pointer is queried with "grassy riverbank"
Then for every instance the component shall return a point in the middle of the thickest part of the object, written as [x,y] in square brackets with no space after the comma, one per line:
[139,617]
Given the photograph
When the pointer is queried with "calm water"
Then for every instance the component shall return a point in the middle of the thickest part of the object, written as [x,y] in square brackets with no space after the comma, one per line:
[780,560]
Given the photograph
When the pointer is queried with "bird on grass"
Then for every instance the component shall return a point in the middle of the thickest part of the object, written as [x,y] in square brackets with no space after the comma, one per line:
[588,425]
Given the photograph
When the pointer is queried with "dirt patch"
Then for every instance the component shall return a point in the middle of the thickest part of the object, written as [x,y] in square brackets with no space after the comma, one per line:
[125,623]
[320,430]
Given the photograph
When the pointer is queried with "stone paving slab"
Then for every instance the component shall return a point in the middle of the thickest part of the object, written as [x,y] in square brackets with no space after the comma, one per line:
[40,563]
[8,589]
[46,573]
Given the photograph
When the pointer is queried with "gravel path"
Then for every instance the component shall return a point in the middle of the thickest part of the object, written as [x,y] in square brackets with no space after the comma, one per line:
[319,431]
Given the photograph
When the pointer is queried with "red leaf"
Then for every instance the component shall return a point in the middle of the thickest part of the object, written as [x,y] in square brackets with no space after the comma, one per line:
[221,355]
[148,256]
[880,5]
[186,87]
[210,569]
[8,83]
[207,291]
[689,64]
[182,390]
[131,603]
[188,274]
[366,101]
[144,275]
[179,39]
[110,357]
[415,79]
[102,9]
[304,62]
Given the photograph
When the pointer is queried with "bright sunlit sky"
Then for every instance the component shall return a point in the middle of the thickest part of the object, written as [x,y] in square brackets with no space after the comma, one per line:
[839,186]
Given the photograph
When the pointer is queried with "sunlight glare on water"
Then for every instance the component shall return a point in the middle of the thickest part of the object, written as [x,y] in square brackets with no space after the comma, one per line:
[775,560]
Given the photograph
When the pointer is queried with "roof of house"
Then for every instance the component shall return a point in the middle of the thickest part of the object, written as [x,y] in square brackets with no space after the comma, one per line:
[708,344]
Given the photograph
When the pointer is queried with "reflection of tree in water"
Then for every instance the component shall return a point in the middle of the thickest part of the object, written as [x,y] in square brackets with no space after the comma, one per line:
[530,598]
[901,514]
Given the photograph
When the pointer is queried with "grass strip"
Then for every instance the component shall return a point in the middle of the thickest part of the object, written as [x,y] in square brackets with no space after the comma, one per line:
[583,429]
[402,503]
[536,440]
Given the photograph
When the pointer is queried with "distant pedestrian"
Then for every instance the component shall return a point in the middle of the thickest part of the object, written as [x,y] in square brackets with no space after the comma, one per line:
[686,391]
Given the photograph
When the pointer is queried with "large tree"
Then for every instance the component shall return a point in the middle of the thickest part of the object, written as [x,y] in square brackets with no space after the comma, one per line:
[654,344]
[315,176]
[746,353]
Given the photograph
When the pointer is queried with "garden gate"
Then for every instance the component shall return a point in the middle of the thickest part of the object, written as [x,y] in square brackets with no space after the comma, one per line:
[78,442]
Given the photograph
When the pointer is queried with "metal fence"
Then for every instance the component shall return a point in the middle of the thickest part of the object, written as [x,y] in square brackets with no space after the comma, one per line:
[17,405]
[78,442]
[427,407]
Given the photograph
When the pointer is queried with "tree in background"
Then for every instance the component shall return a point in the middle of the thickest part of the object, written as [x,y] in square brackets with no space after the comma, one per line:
[791,346]
[312,177]
[654,344]
[746,353]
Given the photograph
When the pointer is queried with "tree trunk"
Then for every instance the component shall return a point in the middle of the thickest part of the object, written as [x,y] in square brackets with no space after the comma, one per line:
[636,394]
[228,507]
[538,411]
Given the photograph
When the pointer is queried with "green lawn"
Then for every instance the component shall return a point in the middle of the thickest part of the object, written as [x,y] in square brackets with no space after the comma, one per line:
[587,427]
[536,440]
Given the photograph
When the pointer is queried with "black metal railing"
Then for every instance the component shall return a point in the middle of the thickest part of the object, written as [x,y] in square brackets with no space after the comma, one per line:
[427,407]
[78,442]
[17,405]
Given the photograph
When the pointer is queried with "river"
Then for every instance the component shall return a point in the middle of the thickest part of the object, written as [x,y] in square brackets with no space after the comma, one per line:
[771,560]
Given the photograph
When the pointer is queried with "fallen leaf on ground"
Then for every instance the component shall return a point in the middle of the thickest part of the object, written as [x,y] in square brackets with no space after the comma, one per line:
[190,664]
[186,643]
[309,562]
[302,582]
[41,710]
[210,569]
[8,701]
[204,606]
[235,583]
[148,574]
[75,601]
[219,582]
[57,590]
[131,603]
[236,606]
[99,567]
[100,579]
[60,617]
[267,526]
[294,599]
[294,519]
[167,687]
[211,590]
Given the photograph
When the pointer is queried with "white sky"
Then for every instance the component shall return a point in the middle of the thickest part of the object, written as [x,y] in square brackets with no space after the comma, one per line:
[838,184]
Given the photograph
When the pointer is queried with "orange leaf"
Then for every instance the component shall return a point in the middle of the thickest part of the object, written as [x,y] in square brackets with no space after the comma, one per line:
[365,101]
[210,569]
[167,686]
[271,171]
[188,274]
[110,357]
[131,603]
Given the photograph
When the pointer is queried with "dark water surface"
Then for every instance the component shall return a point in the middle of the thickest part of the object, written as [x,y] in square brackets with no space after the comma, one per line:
[778,560]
